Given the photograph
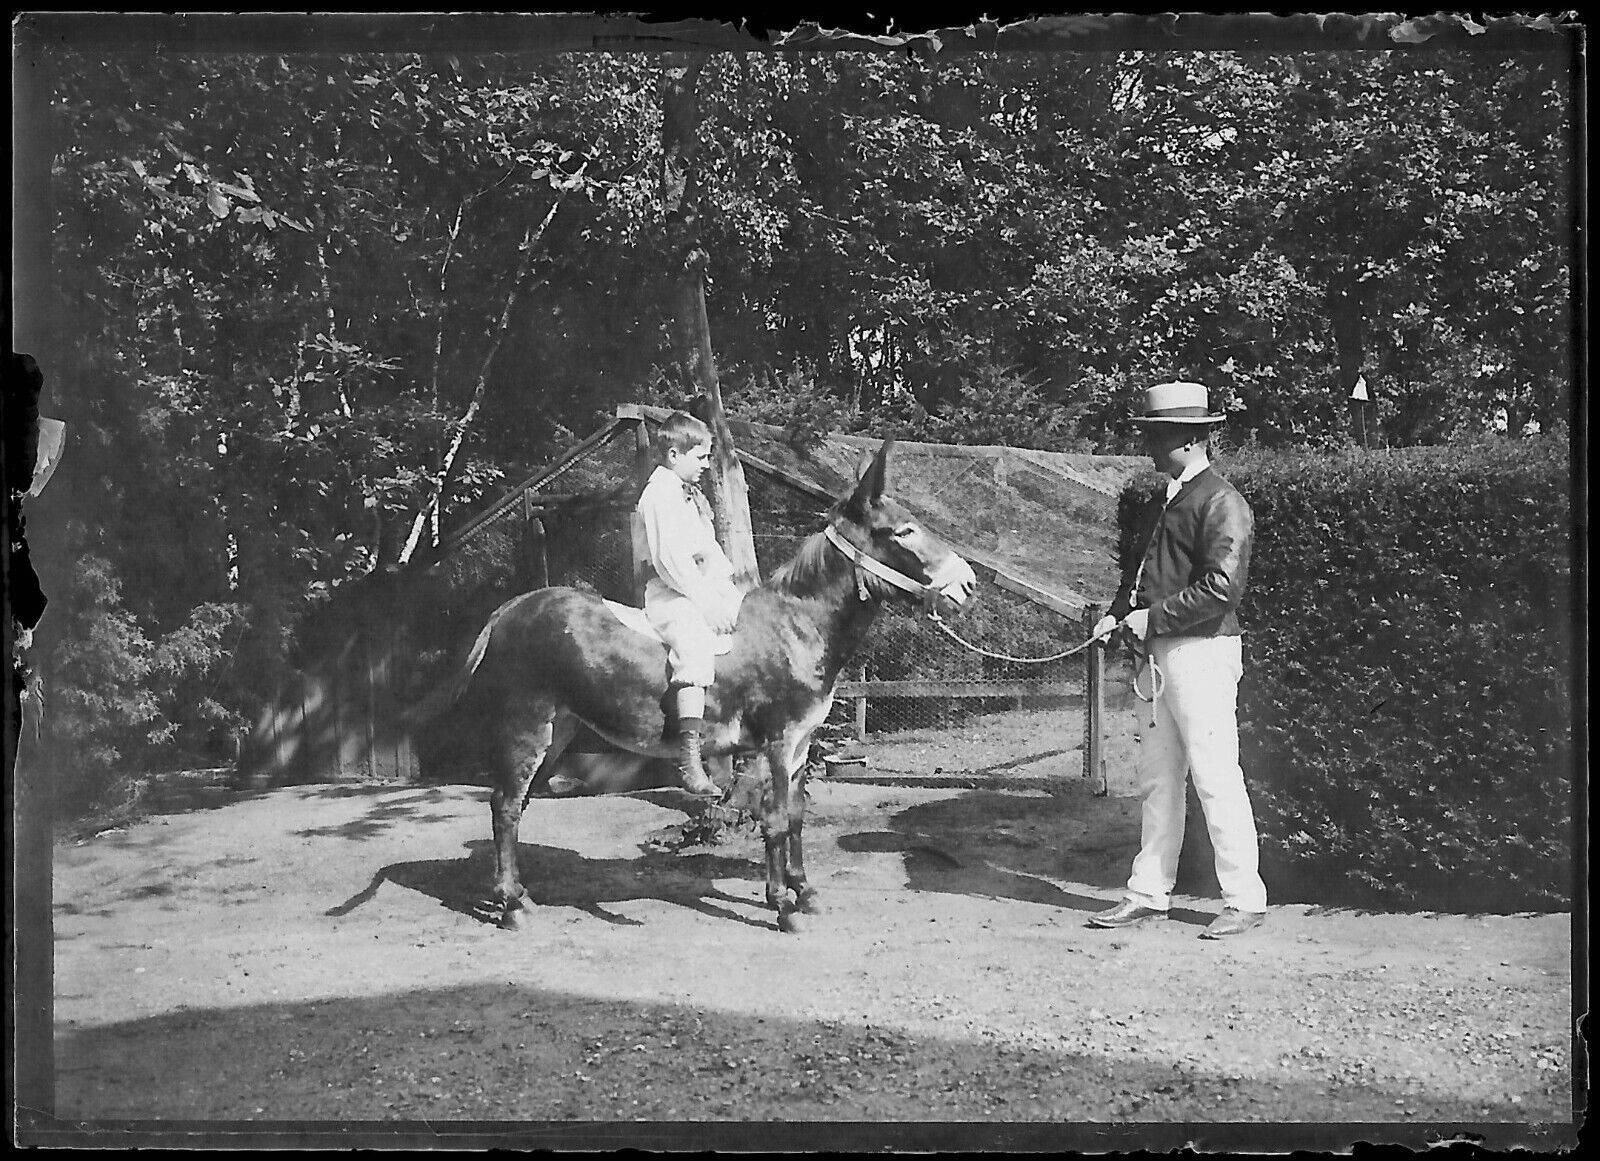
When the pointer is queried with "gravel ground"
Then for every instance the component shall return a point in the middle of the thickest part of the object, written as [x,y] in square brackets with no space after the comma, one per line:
[309,956]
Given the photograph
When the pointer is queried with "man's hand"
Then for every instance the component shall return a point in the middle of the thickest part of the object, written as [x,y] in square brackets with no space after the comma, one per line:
[1138,623]
[1103,628]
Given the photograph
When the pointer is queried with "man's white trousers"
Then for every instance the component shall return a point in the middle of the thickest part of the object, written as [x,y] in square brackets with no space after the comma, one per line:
[1195,732]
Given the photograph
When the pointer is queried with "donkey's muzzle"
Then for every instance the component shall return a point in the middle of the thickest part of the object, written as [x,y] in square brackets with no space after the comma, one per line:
[954,583]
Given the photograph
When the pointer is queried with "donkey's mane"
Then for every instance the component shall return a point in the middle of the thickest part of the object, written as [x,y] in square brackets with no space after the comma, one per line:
[807,572]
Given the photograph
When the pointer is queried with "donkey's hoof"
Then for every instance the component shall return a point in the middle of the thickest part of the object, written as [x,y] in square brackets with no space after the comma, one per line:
[789,922]
[806,901]
[514,919]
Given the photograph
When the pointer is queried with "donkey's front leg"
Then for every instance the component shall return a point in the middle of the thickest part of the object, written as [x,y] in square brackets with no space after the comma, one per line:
[805,896]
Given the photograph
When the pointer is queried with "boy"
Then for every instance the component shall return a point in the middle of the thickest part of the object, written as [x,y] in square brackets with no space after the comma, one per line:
[689,596]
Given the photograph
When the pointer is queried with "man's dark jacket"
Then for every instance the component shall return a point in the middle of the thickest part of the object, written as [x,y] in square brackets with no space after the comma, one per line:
[1195,563]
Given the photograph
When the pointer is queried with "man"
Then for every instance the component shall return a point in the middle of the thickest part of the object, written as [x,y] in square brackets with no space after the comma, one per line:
[1180,603]
[690,598]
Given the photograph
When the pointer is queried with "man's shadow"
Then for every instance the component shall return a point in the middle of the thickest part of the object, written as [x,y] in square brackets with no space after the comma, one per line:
[1011,846]
[555,877]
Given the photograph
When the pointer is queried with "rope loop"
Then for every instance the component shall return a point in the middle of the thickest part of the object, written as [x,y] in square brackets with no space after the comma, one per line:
[1158,680]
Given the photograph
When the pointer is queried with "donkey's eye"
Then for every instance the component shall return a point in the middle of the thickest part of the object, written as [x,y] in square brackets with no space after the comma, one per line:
[904,531]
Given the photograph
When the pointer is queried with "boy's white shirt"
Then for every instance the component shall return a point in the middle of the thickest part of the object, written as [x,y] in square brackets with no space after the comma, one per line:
[682,543]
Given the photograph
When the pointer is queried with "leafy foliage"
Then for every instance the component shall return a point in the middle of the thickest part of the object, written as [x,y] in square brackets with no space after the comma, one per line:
[321,308]
[122,695]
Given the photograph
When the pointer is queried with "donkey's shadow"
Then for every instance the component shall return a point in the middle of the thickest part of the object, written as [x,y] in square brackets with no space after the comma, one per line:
[555,877]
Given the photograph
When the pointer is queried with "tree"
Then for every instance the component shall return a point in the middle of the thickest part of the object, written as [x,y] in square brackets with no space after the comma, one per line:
[680,123]
[1370,191]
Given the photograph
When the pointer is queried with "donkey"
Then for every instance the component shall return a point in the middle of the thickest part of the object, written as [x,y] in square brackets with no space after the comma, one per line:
[557,659]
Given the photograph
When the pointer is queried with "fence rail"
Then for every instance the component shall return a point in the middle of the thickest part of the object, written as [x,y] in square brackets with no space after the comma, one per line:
[959,689]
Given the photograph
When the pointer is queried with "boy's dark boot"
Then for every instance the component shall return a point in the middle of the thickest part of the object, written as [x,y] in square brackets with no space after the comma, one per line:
[691,772]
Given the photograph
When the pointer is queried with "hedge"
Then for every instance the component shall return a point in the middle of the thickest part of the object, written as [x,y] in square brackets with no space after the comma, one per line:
[1406,716]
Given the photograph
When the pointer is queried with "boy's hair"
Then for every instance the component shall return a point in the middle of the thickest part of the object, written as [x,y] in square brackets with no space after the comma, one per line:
[680,431]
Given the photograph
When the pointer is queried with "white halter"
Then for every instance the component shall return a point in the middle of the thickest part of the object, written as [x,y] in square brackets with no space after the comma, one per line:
[865,564]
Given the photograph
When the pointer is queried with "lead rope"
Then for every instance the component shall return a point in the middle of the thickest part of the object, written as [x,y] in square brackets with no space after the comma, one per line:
[1142,661]
[954,636]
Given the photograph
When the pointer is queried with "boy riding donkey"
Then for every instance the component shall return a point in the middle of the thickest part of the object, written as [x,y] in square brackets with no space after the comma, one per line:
[689,596]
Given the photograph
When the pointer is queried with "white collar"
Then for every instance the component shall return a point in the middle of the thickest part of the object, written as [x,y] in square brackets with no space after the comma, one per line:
[1189,473]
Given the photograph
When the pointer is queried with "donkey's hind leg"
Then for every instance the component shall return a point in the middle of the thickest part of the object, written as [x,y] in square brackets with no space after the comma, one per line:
[794,872]
[532,731]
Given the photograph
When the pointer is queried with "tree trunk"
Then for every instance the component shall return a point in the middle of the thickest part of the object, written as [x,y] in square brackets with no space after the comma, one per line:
[680,122]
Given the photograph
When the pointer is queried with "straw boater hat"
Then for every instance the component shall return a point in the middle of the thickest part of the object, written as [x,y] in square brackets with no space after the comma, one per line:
[1178,403]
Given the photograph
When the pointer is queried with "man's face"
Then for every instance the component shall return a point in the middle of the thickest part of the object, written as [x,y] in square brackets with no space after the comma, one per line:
[1161,440]
[689,465]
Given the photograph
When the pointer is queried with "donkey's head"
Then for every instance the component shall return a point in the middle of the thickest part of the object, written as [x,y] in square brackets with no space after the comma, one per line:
[896,557]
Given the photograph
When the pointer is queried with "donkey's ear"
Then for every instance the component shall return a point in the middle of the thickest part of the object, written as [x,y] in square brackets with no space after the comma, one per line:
[872,471]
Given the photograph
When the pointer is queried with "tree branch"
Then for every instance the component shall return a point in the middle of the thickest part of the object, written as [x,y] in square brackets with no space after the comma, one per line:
[446,470]
[438,340]
[327,298]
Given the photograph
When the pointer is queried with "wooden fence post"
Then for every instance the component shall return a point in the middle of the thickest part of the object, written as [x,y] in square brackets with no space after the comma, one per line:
[371,705]
[861,706]
[644,463]
[1094,704]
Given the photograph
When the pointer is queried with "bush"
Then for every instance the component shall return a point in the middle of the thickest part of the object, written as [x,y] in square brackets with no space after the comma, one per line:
[101,705]
[1406,712]
[119,703]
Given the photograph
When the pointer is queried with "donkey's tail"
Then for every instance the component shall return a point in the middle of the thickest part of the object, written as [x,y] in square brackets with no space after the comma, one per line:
[446,695]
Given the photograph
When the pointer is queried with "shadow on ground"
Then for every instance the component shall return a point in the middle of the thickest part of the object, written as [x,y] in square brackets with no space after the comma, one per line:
[398,805]
[507,1052]
[1012,846]
[999,843]
[556,877]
